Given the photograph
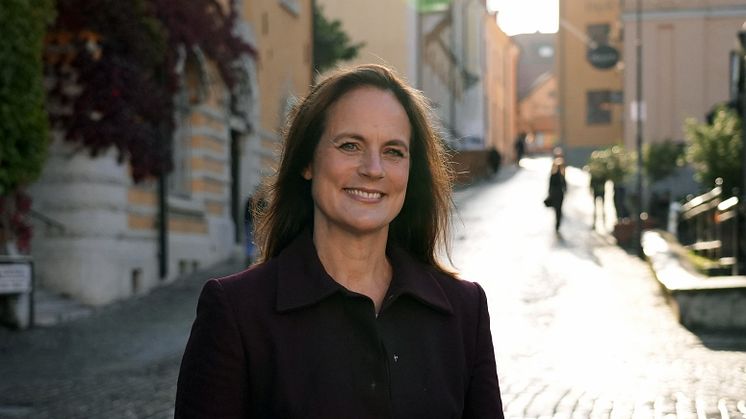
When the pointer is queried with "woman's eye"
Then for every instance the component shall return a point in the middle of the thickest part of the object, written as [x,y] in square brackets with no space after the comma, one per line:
[395,152]
[348,146]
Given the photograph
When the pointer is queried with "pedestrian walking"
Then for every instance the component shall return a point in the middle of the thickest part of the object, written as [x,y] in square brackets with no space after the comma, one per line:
[557,188]
[520,146]
[598,190]
[349,314]
[494,159]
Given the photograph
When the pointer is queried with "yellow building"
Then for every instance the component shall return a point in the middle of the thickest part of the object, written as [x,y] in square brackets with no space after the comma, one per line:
[590,110]
[501,59]
[284,37]
[537,114]
[391,41]
[685,63]
[537,90]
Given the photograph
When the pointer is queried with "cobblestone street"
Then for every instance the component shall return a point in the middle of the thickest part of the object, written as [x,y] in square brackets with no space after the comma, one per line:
[580,327]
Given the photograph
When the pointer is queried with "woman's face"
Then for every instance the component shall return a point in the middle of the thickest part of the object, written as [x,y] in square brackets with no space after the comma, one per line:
[360,167]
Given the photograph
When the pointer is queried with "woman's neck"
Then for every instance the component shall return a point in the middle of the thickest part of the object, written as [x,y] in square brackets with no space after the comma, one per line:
[357,262]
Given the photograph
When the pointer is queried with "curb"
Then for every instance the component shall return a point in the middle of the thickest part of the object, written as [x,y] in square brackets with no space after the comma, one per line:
[700,302]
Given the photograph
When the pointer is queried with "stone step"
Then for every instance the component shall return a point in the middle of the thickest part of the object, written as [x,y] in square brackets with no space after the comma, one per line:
[51,308]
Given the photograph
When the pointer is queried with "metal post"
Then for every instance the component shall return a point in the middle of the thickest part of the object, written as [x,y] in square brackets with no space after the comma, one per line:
[638,47]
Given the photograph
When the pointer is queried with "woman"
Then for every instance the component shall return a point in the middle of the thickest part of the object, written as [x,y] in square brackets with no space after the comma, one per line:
[557,188]
[348,314]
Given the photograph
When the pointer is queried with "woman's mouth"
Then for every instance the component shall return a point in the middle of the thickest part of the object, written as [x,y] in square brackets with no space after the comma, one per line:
[364,194]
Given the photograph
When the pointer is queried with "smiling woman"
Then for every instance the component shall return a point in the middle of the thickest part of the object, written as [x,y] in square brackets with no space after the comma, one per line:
[349,313]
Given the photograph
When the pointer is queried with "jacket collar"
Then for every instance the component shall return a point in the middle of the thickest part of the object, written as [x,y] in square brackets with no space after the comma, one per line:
[302,280]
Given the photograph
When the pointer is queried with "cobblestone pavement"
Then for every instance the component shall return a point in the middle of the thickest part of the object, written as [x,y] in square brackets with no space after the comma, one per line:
[121,362]
[581,329]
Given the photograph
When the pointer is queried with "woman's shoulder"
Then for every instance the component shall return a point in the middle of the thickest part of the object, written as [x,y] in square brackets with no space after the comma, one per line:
[462,293]
[255,284]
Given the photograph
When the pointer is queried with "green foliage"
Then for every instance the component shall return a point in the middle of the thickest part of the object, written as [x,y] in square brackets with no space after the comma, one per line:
[715,150]
[613,163]
[432,5]
[662,159]
[330,43]
[23,118]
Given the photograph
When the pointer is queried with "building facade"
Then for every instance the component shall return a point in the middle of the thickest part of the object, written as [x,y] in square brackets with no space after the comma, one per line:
[392,41]
[284,36]
[500,75]
[101,238]
[685,62]
[537,90]
[590,98]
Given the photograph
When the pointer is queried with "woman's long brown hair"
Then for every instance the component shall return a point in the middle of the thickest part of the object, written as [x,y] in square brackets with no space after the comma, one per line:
[422,224]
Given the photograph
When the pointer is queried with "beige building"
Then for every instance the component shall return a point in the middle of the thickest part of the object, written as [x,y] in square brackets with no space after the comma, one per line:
[537,114]
[283,30]
[501,61]
[590,108]
[391,41]
[537,90]
[685,62]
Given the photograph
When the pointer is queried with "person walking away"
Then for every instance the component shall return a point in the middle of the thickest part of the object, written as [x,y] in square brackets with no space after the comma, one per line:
[520,147]
[494,159]
[598,190]
[557,188]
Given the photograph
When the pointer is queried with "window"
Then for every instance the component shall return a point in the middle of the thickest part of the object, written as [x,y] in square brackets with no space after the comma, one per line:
[292,6]
[599,107]
[599,34]
[546,51]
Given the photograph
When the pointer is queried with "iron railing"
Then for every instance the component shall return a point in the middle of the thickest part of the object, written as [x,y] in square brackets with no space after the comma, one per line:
[709,226]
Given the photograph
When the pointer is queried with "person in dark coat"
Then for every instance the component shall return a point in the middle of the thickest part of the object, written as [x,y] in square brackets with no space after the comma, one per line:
[520,146]
[598,190]
[349,313]
[557,189]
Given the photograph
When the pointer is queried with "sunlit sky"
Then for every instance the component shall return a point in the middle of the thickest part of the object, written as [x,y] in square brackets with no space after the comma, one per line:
[526,16]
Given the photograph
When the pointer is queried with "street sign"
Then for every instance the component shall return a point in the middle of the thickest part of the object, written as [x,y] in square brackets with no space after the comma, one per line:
[15,278]
[603,57]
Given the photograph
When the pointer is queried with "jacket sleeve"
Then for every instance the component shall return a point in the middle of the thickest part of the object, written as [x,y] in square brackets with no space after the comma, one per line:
[213,376]
[483,395]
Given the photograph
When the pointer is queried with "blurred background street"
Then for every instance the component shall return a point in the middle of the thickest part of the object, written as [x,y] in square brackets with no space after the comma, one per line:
[135,135]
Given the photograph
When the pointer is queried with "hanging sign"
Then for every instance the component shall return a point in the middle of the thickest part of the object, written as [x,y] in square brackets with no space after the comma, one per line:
[603,57]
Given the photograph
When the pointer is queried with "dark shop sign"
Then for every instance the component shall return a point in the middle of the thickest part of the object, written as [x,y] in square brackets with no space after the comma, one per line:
[603,57]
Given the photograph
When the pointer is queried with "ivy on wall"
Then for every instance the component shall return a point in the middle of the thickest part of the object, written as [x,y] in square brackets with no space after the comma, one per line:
[113,64]
[23,118]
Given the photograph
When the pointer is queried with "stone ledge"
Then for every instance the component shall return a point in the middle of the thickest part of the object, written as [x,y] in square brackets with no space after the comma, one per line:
[713,303]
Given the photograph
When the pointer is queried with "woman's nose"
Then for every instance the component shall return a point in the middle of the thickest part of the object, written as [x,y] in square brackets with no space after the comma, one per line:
[372,165]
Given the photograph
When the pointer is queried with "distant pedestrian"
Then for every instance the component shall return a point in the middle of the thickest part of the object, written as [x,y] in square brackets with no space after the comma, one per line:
[350,313]
[494,159]
[557,188]
[520,147]
[598,190]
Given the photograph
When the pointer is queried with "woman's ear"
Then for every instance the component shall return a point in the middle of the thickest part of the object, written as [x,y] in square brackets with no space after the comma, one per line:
[307,173]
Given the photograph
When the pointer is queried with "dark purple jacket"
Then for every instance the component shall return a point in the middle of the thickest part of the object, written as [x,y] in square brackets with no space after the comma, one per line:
[284,340]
